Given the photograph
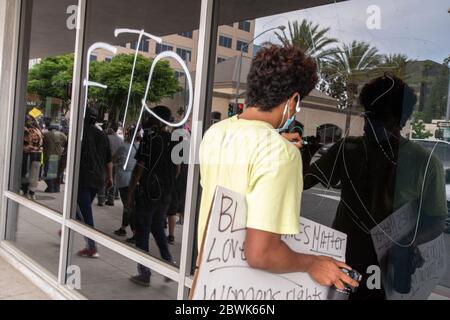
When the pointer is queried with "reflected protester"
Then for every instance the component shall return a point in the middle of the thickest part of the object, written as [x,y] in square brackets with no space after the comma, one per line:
[150,189]
[54,144]
[122,180]
[31,160]
[95,168]
[384,176]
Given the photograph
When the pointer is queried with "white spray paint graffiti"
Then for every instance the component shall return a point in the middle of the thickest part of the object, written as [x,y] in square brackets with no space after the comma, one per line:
[141,33]
[144,106]
[87,83]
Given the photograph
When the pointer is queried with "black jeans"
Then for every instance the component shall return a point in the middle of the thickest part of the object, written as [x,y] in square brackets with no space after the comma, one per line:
[150,217]
[128,216]
[84,201]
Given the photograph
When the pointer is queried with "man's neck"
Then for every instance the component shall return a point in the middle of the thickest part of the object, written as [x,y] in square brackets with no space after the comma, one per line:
[253,113]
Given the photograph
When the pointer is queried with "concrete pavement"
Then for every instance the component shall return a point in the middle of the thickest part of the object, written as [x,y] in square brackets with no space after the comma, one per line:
[14,285]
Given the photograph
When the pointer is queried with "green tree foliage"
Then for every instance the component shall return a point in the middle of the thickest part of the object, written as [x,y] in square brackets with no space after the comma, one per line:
[352,63]
[418,130]
[396,64]
[436,103]
[335,87]
[309,37]
[51,78]
[116,74]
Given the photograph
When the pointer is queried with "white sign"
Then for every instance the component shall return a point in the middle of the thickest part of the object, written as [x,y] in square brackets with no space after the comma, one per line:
[224,273]
[393,229]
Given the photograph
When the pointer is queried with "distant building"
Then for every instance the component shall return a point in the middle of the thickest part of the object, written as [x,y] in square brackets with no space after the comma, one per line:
[230,39]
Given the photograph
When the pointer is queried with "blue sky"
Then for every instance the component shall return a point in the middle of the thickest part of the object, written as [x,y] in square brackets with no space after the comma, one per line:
[418,28]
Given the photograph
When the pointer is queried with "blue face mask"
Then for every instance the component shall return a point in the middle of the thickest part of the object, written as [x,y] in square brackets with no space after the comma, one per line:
[290,120]
[286,124]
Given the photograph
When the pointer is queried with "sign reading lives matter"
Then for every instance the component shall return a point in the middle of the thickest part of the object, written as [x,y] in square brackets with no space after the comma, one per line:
[224,274]
[395,228]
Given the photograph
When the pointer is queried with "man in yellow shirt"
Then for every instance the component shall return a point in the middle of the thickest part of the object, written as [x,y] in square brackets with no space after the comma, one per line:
[247,154]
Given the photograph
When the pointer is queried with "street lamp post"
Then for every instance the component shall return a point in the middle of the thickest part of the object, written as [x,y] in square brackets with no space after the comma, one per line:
[447,115]
[241,57]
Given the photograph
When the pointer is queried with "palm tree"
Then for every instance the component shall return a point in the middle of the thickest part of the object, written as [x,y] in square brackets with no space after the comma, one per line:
[395,63]
[308,37]
[353,63]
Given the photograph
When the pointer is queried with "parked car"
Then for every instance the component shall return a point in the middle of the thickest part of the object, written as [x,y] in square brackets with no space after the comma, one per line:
[442,151]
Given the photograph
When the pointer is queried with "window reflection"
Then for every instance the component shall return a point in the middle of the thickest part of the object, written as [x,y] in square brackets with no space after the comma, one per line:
[43,117]
[132,179]
[352,53]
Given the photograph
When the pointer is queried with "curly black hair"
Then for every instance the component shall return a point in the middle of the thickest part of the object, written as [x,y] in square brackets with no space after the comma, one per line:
[162,111]
[277,72]
[389,99]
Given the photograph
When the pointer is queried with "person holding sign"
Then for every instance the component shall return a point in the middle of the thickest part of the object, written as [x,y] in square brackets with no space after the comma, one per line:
[247,155]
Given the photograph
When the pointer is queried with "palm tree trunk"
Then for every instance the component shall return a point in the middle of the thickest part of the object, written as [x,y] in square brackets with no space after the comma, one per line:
[351,91]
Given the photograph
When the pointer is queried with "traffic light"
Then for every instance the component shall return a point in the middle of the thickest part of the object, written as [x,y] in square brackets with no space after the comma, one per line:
[234,109]
[231,109]
[240,108]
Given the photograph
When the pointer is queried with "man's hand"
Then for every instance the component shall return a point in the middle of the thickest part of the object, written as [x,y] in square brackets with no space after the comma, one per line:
[327,271]
[109,183]
[130,200]
[293,137]
[109,174]
[266,251]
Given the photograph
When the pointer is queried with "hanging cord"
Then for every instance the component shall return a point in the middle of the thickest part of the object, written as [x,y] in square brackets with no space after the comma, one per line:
[392,160]
[327,182]
[371,217]
[359,223]
[150,171]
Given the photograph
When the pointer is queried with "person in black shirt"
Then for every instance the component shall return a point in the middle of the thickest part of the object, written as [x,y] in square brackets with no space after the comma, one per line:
[380,172]
[95,169]
[150,188]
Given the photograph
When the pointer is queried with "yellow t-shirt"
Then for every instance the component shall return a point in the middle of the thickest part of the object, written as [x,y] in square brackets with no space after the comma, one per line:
[251,158]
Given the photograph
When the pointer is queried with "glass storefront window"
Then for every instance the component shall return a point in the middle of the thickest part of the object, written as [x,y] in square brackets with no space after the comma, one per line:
[108,277]
[350,53]
[130,167]
[35,235]
[42,115]
[132,172]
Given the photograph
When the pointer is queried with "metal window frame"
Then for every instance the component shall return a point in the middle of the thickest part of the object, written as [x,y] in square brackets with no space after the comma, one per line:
[10,116]
[243,43]
[243,24]
[228,37]
[167,45]
[69,226]
[188,52]
[207,39]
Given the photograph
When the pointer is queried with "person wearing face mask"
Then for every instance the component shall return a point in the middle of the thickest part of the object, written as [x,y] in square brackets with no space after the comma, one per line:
[380,172]
[247,154]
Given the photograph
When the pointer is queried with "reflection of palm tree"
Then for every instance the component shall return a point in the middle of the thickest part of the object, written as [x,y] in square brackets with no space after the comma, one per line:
[353,63]
[307,37]
[395,63]
[447,61]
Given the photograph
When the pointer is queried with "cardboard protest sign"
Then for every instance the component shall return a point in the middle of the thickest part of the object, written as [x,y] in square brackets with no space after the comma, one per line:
[224,274]
[393,229]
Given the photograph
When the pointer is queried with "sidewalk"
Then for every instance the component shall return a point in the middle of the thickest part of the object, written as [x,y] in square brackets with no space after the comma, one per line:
[14,286]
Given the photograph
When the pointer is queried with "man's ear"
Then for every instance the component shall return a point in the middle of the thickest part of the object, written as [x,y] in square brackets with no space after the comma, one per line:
[294,104]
